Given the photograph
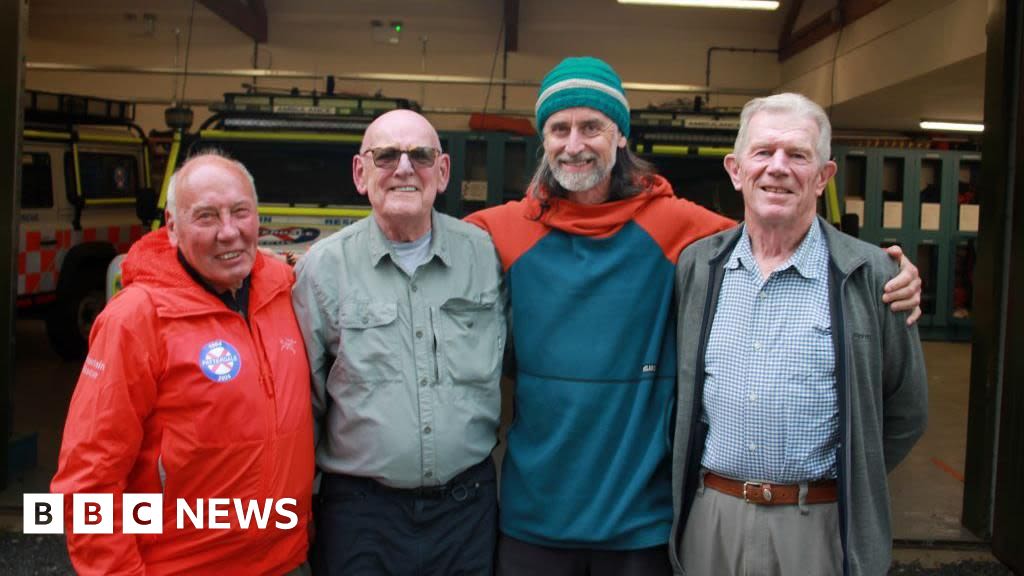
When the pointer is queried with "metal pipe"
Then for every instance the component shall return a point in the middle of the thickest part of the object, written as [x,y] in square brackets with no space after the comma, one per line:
[157,101]
[366,77]
[504,72]
[466,111]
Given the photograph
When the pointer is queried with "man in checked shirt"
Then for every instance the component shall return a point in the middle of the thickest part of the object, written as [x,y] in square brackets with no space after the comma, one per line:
[797,392]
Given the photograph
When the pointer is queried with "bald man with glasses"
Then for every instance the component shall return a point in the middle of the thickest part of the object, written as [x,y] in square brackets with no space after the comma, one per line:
[403,314]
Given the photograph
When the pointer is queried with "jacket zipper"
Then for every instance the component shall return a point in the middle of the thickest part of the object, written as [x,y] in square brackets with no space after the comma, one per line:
[715,274]
[266,379]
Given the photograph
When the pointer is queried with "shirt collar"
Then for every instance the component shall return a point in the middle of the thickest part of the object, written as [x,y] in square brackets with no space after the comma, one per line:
[808,254]
[741,254]
[380,246]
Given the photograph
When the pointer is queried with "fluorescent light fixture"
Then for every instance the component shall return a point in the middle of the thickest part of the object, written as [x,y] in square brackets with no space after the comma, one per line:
[737,4]
[952,126]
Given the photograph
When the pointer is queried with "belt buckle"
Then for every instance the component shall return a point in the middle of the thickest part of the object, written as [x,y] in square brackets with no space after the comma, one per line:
[429,492]
[766,492]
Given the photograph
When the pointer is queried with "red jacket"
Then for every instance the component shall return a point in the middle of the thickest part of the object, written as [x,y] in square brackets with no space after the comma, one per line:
[180,396]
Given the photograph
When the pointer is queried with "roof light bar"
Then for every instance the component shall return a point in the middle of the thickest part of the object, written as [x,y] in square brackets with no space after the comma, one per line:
[735,4]
[952,126]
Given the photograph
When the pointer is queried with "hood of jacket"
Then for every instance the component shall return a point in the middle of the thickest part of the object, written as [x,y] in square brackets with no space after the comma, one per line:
[152,263]
[598,220]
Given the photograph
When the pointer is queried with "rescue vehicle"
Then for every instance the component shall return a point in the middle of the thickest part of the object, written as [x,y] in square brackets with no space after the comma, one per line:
[84,162]
[299,150]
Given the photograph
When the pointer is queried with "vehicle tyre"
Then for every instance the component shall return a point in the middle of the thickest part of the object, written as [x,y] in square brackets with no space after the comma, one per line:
[71,317]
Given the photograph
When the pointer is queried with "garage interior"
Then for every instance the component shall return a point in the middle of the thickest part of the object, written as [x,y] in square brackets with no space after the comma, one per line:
[879,67]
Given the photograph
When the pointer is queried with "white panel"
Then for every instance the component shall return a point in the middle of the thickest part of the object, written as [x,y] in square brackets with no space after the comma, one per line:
[969,217]
[892,215]
[856,207]
[930,215]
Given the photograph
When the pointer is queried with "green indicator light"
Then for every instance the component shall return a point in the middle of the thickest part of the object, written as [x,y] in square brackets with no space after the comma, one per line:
[398,28]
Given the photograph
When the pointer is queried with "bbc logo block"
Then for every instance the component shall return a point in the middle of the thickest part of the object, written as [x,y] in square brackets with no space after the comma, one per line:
[43,514]
[92,513]
[144,513]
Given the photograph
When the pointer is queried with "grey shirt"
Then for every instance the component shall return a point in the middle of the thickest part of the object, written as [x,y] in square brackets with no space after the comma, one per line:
[405,368]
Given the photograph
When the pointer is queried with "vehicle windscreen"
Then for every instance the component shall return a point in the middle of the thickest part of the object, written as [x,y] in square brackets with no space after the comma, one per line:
[297,173]
[702,180]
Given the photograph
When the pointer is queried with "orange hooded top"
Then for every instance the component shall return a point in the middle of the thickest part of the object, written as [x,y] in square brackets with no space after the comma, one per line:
[184,397]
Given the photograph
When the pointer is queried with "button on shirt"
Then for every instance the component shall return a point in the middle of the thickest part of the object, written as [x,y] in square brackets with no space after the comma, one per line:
[405,367]
[769,392]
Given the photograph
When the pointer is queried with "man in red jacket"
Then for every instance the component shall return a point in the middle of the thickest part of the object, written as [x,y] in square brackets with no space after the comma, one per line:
[196,387]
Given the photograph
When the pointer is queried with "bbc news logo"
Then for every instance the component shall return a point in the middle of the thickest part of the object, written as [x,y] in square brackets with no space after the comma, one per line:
[144,513]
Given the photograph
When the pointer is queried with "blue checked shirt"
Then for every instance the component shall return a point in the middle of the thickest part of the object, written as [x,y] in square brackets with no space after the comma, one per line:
[769,392]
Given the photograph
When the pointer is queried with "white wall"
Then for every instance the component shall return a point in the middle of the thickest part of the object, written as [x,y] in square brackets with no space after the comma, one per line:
[897,44]
[645,44]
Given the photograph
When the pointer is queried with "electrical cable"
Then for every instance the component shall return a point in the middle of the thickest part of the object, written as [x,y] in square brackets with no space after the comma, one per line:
[256,64]
[832,82]
[188,50]
[494,62]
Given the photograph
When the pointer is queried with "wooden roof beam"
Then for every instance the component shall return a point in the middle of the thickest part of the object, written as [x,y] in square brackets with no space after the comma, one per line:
[511,25]
[847,12]
[249,16]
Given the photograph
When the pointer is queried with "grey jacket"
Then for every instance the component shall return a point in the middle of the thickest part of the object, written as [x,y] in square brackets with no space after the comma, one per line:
[880,376]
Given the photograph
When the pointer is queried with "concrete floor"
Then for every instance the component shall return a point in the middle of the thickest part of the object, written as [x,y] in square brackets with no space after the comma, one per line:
[927,488]
[43,384]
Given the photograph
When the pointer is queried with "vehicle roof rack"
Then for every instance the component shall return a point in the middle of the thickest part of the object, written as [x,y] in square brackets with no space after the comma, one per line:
[705,128]
[312,112]
[68,109]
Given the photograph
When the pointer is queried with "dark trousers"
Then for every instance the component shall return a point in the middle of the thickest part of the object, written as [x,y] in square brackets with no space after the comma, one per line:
[366,528]
[518,558]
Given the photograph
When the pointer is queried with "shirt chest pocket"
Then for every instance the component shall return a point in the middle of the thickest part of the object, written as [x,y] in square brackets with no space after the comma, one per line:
[472,341]
[812,361]
[367,351]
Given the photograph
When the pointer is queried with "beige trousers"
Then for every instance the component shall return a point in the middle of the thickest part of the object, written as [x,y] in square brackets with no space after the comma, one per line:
[725,535]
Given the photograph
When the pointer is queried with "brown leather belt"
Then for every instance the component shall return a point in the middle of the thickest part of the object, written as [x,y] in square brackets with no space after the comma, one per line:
[767,494]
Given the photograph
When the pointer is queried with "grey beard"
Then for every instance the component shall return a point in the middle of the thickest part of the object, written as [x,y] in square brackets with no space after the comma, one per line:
[578,182]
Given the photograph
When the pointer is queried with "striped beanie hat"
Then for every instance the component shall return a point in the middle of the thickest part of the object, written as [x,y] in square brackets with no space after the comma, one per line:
[587,82]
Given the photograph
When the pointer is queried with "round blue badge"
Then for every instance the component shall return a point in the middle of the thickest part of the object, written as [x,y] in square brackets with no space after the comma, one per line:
[219,361]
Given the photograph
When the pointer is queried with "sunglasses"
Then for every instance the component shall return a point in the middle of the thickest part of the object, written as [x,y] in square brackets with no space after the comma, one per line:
[388,158]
